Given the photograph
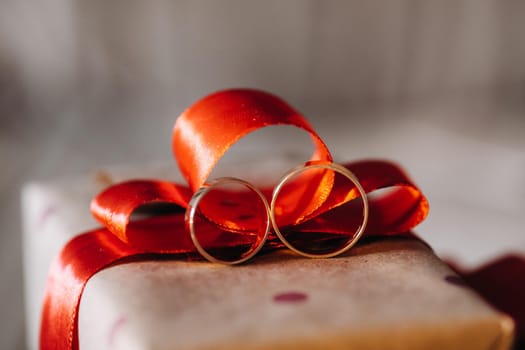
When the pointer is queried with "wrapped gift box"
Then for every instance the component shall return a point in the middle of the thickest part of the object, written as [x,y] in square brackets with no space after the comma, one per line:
[385,293]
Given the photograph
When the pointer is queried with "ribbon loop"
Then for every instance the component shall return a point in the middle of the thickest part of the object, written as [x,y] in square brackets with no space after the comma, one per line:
[205,131]
[400,208]
[113,207]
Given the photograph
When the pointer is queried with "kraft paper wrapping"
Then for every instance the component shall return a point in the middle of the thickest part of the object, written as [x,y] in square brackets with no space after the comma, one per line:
[392,293]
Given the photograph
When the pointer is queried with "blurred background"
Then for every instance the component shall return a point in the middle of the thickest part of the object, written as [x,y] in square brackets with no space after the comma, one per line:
[438,86]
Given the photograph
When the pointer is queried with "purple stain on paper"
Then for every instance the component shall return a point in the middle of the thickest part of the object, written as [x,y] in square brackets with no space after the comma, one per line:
[455,280]
[115,327]
[290,297]
[48,211]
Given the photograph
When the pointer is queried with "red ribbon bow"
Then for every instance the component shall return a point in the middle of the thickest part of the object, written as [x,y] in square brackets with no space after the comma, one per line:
[202,134]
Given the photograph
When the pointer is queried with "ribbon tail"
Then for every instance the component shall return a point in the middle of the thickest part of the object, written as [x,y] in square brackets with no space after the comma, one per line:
[81,258]
[91,252]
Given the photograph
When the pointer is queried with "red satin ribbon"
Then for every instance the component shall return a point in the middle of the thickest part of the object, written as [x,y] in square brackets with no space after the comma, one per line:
[202,134]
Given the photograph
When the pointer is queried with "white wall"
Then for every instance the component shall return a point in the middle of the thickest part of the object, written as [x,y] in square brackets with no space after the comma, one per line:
[321,51]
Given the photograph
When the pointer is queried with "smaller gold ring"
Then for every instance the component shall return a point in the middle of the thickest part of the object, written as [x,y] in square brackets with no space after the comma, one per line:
[192,210]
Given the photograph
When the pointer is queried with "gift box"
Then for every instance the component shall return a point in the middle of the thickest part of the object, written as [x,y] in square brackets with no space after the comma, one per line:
[139,284]
[386,292]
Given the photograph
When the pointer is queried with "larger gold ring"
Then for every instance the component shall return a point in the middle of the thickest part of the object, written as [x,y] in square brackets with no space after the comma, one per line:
[337,169]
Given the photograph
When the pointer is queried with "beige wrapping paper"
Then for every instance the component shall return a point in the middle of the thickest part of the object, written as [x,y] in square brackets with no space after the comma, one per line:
[392,293]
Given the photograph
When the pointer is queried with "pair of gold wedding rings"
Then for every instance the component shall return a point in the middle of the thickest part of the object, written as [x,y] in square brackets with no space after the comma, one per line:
[229,219]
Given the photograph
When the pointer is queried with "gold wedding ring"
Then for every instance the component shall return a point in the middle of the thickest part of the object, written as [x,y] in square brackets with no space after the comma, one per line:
[340,242]
[218,251]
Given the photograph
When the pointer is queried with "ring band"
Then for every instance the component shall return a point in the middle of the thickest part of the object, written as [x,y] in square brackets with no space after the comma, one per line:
[338,169]
[191,212]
